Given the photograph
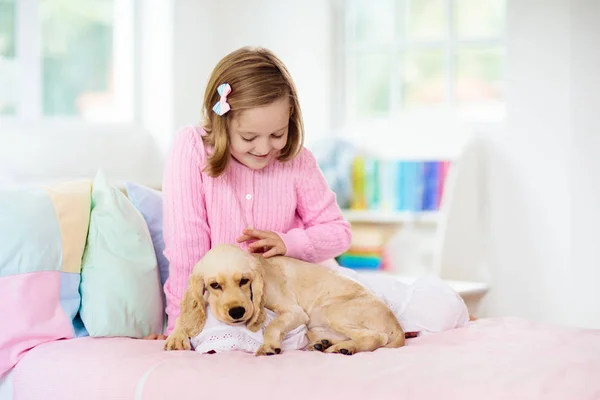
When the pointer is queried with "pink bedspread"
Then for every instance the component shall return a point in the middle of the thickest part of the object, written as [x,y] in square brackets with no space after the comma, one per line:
[489,359]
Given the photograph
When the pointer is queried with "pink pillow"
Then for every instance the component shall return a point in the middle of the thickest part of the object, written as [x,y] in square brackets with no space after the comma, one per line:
[42,237]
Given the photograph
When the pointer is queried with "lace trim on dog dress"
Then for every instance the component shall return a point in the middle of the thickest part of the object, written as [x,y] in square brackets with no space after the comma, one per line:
[219,337]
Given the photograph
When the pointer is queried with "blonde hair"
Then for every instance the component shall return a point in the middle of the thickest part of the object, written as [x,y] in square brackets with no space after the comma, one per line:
[257,78]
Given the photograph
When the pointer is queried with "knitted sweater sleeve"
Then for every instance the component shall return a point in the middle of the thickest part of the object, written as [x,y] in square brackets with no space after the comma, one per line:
[325,234]
[185,227]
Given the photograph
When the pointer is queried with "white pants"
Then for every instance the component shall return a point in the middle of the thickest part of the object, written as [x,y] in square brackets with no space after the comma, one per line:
[428,305]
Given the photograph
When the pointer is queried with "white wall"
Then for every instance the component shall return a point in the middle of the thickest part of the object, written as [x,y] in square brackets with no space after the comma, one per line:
[196,37]
[154,70]
[201,32]
[542,265]
[298,32]
[584,270]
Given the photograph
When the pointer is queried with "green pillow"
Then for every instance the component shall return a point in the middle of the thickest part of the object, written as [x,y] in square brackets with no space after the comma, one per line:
[121,294]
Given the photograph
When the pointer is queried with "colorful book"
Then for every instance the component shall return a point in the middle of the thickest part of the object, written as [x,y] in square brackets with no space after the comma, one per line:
[354,261]
[444,168]
[358,200]
[387,185]
[372,188]
[411,185]
[430,186]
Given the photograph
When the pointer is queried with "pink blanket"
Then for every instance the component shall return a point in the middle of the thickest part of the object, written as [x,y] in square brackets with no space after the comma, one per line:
[489,359]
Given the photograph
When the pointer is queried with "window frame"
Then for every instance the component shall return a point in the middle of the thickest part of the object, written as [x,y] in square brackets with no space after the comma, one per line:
[29,113]
[345,48]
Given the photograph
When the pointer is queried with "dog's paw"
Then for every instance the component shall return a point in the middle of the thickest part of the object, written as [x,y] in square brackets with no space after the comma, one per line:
[268,350]
[177,342]
[345,348]
[321,345]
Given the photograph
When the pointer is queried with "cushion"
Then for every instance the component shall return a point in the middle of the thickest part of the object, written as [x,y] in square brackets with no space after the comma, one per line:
[42,239]
[120,285]
[149,202]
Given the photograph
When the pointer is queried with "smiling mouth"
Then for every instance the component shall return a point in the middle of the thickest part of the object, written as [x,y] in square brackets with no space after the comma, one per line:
[257,156]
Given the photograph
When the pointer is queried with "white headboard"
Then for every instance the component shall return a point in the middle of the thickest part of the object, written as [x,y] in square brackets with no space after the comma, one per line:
[460,244]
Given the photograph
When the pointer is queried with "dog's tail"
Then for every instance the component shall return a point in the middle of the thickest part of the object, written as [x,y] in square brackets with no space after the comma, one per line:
[397,339]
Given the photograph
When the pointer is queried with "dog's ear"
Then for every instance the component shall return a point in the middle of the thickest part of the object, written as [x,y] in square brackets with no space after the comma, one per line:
[193,307]
[258,298]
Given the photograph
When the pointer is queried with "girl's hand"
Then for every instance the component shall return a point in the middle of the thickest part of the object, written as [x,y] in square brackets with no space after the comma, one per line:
[267,242]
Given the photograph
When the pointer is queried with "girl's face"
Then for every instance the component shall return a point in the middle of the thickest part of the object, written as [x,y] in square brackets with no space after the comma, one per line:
[258,134]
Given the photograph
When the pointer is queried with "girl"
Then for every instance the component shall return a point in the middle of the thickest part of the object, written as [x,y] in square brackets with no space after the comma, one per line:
[244,177]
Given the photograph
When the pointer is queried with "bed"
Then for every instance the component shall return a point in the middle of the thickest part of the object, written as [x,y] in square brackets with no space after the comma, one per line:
[503,358]
[45,353]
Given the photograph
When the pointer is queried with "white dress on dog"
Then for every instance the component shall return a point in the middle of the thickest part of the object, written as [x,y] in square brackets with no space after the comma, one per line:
[219,337]
[427,306]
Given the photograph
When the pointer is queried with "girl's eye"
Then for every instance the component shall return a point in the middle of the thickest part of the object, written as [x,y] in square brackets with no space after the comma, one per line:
[215,286]
[247,140]
[278,136]
[243,281]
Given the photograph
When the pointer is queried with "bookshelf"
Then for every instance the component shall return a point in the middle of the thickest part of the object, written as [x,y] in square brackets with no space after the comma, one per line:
[390,217]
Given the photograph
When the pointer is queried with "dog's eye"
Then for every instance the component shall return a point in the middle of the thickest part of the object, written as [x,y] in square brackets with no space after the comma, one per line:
[243,281]
[215,286]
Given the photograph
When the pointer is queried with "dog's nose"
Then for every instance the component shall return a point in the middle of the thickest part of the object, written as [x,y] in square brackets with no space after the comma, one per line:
[237,312]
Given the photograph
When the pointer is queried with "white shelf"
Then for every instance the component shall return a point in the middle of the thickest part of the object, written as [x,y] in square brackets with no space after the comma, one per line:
[390,217]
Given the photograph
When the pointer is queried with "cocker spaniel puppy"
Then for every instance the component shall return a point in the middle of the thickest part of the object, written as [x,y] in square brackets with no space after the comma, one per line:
[341,315]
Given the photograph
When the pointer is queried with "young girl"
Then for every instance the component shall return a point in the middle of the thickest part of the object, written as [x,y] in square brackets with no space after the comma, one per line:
[244,177]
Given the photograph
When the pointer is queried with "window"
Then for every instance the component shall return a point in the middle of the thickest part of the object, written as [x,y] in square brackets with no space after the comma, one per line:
[8,67]
[66,60]
[404,56]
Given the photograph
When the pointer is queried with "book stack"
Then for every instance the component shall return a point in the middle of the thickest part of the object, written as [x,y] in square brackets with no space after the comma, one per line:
[397,185]
[366,252]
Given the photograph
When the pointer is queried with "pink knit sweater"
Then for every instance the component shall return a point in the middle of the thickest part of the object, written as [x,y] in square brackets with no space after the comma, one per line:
[291,198]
